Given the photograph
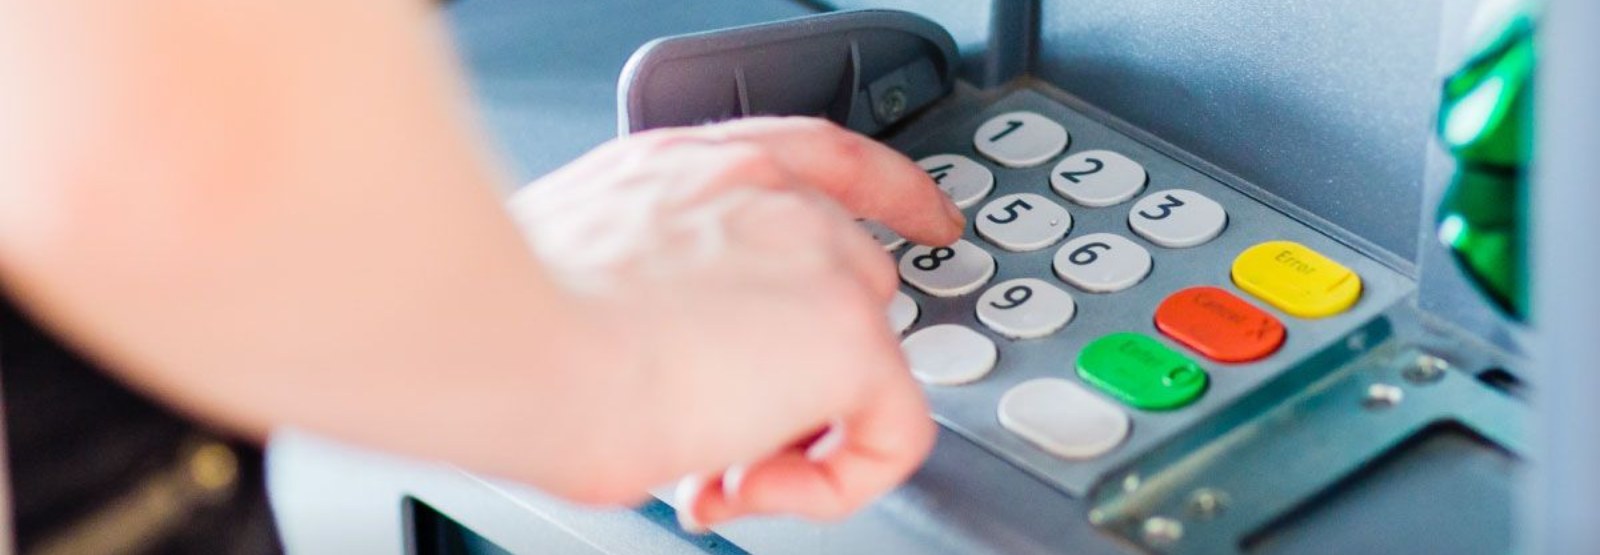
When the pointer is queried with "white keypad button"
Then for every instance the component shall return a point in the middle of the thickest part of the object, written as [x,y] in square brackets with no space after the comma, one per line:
[1025,308]
[903,312]
[1102,263]
[1023,222]
[947,271]
[1098,178]
[1020,139]
[1063,418]
[964,180]
[948,354]
[885,236]
[1177,218]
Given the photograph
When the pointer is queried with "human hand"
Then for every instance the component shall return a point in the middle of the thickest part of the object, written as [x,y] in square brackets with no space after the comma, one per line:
[735,312]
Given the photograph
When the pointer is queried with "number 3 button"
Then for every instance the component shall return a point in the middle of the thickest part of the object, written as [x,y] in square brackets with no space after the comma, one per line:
[1023,222]
[1024,308]
[1177,218]
[947,271]
[1102,263]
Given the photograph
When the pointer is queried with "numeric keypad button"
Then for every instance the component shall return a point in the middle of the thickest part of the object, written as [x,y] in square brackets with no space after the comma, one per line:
[1020,139]
[1102,263]
[1177,218]
[958,269]
[1023,222]
[903,312]
[1025,308]
[949,354]
[1063,418]
[1098,178]
[883,235]
[964,180]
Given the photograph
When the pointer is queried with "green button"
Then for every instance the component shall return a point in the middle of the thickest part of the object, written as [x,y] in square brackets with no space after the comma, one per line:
[1141,372]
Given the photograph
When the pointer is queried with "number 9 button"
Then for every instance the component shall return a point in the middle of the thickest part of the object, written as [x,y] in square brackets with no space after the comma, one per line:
[1023,222]
[1102,263]
[958,269]
[1025,308]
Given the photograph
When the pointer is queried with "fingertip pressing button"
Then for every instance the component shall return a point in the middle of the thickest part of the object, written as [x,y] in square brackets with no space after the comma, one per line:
[1098,178]
[903,312]
[1063,418]
[949,354]
[1020,139]
[965,181]
[1177,218]
[958,269]
[1025,308]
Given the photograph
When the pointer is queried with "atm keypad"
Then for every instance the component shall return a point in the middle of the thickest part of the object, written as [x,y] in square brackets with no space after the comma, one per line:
[1096,226]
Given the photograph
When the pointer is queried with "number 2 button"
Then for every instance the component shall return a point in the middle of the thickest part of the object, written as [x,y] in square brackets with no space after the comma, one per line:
[1102,263]
[1177,218]
[1020,139]
[958,269]
[1023,222]
[1024,308]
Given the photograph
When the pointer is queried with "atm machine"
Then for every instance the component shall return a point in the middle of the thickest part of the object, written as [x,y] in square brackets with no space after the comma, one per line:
[1245,334]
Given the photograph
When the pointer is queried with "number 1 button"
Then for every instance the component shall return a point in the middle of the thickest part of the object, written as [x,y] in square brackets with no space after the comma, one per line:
[1023,222]
[1020,139]
[947,271]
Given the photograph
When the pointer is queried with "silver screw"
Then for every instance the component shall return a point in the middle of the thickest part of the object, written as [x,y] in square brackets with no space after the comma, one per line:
[893,104]
[1382,396]
[1130,483]
[1425,369]
[1160,531]
[1207,503]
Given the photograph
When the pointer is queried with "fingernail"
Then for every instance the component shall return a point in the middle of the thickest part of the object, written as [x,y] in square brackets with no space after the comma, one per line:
[954,212]
[733,479]
[687,494]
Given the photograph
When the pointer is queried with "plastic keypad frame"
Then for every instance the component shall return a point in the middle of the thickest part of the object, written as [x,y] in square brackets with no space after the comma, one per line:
[970,408]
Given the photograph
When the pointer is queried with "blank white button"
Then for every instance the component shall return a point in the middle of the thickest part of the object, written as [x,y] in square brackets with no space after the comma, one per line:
[1098,178]
[1063,418]
[885,236]
[965,181]
[1102,263]
[948,354]
[1023,222]
[1177,218]
[1020,139]
[902,312]
[1025,308]
[947,271]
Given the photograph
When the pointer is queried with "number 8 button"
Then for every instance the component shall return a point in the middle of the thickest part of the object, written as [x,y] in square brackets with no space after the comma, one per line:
[1102,263]
[958,269]
[1023,222]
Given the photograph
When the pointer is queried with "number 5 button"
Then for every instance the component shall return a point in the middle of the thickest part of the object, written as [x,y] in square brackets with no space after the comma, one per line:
[1102,263]
[947,271]
[1023,222]
[1177,218]
[1025,308]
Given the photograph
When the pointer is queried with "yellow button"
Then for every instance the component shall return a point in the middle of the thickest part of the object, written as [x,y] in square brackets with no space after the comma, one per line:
[1296,279]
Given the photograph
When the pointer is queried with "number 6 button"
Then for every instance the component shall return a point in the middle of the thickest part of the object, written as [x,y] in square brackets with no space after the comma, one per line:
[1025,308]
[947,271]
[1102,263]
[1023,222]
[1177,218]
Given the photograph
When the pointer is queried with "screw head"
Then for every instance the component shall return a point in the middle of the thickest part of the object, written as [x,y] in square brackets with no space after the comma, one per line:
[893,104]
[1160,531]
[1426,369]
[1207,503]
[1382,396]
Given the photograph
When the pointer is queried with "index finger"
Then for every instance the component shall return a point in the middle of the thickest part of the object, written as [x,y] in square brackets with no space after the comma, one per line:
[871,180]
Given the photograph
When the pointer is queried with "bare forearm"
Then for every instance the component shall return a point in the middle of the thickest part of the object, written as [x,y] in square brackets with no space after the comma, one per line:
[275,214]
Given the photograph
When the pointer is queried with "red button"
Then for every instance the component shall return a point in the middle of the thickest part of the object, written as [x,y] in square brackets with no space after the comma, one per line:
[1219,325]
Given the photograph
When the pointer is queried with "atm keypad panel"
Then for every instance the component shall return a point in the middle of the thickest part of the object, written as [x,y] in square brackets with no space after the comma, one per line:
[1104,295]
